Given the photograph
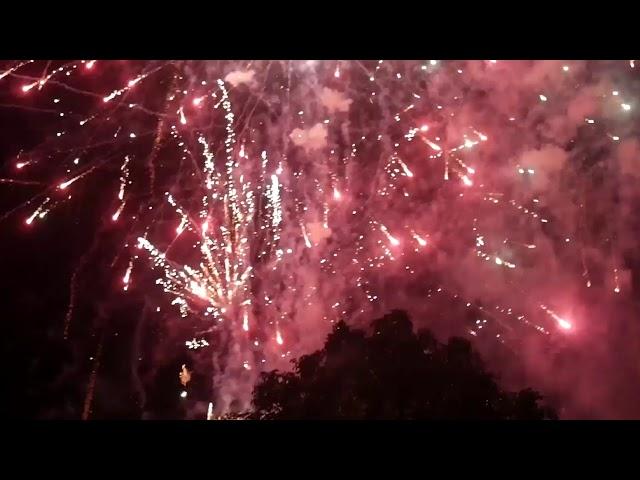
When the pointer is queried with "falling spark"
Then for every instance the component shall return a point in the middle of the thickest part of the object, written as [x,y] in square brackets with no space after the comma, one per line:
[481,136]
[64,185]
[127,275]
[119,92]
[117,213]
[394,241]
[123,182]
[134,81]
[434,146]
[245,321]
[500,261]
[307,242]
[421,241]
[40,212]
[26,88]
[275,200]
[183,223]
[562,323]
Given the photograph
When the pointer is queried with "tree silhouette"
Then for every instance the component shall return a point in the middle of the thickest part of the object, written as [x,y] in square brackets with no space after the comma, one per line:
[392,373]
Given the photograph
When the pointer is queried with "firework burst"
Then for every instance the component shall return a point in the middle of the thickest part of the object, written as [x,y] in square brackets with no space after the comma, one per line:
[271,199]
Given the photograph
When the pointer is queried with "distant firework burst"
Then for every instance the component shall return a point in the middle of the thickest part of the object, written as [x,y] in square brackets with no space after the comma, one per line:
[273,198]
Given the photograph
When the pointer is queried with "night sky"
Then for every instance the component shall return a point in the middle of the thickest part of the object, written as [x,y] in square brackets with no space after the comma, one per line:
[494,200]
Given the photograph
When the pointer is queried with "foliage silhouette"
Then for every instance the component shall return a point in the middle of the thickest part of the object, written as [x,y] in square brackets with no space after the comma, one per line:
[392,373]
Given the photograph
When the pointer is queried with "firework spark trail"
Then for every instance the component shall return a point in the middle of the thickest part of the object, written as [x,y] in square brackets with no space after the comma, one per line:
[91,387]
[73,284]
[273,192]
[15,181]
[124,177]
[14,68]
